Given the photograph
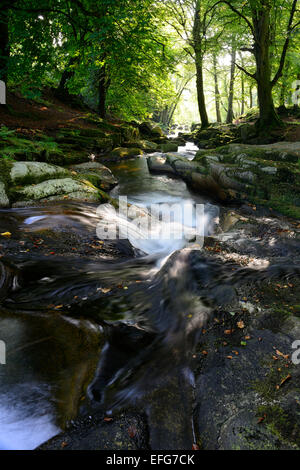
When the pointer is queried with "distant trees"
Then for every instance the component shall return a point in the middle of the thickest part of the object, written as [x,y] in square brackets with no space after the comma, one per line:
[136,59]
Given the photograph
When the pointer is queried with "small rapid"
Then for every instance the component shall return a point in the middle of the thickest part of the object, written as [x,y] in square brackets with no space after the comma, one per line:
[49,301]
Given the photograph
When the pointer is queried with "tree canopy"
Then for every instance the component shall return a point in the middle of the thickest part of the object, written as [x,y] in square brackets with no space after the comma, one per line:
[138,59]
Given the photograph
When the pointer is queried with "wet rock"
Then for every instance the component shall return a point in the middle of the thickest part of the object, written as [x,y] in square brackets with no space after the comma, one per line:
[157,164]
[168,147]
[4,201]
[97,174]
[127,431]
[145,145]
[126,152]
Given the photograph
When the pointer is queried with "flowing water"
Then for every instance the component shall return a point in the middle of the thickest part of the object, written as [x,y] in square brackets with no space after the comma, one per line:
[59,311]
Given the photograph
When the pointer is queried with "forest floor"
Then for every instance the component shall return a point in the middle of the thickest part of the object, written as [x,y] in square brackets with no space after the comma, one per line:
[45,113]
[50,113]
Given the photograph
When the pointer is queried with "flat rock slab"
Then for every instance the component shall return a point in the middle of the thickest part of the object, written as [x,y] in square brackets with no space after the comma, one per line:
[58,188]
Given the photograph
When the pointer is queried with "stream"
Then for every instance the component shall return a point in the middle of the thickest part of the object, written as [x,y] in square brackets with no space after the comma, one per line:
[58,311]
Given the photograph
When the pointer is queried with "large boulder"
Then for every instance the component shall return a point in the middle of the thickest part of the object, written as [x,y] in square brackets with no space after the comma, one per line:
[23,183]
[151,131]
[168,147]
[158,164]
[98,174]
[270,173]
[4,201]
[35,172]
[120,152]
[57,189]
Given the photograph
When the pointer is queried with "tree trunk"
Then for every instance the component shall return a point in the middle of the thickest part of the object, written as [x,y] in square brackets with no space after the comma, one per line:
[261,22]
[230,115]
[68,73]
[4,43]
[217,91]
[243,87]
[200,94]
[251,96]
[198,35]
[103,86]
[297,93]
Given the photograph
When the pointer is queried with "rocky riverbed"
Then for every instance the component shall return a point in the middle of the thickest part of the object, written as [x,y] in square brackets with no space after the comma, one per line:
[196,351]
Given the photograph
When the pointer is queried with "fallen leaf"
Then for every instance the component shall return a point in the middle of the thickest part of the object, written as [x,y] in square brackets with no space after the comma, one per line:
[6,234]
[279,353]
[240,325]
[228,332]
[288,377]
[132,431]
[229,357]
[260,420]
[64,444]
[104,290]
[107,419]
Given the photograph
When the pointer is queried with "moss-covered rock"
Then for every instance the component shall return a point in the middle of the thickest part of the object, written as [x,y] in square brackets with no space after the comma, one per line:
[126,152]
[150,130]
[35,172]
[57,189]
[168,147]
[98,174]
[4,201]
[271,172]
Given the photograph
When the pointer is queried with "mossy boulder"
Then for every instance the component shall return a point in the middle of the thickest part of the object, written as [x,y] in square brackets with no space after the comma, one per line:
[98,174]
[129,133]
[144,145]
[57,189]
[150,130]
[270,173]
[122,152]
[35,172]
[4,201]
[168,147]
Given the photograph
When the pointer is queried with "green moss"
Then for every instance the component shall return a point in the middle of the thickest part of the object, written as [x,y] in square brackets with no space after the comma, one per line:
[267,388]
[280,423]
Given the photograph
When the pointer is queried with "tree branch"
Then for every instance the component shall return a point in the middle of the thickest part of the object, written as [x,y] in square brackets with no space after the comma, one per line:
[252,75]
[237,12]
[286,44]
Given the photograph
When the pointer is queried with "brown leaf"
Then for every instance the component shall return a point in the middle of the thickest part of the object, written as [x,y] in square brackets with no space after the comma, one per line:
[261,420]
[228,332]
[288,377]
[132,431]
[279,353]
[107,419]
